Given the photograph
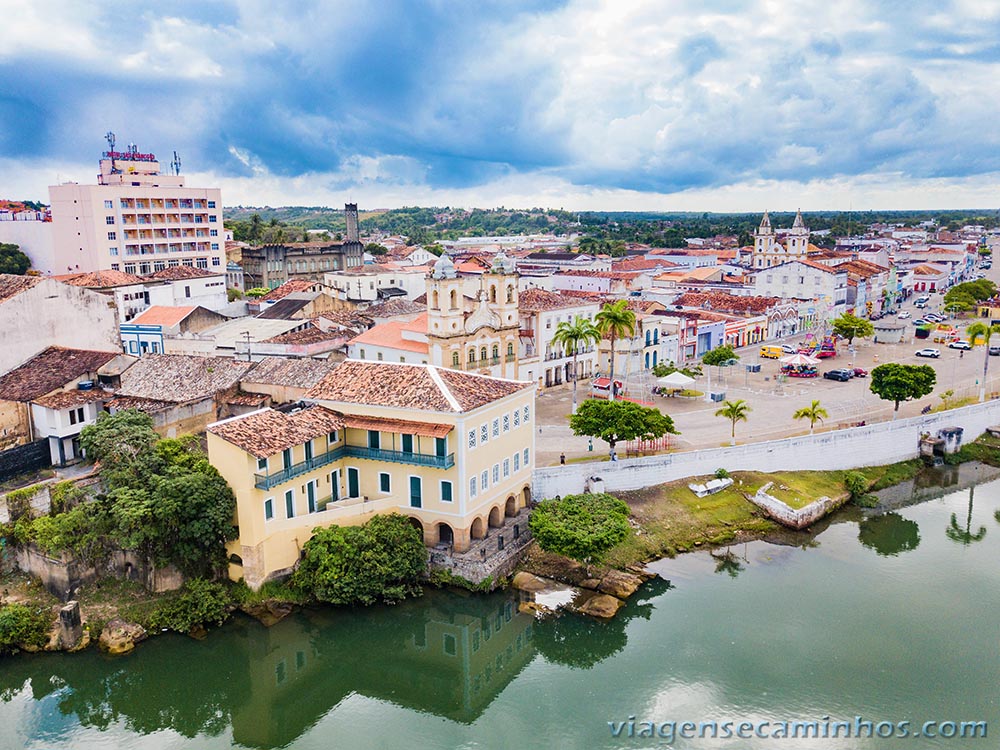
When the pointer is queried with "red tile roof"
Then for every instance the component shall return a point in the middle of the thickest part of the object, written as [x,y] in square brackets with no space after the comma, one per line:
[267,432]
[162,315]
[540,300]
[12,285]
[407,386]
[50,369]
[729,303]
[76,397]
[402,426]
[178,273]
[390,335]
[99,279]
[289,287]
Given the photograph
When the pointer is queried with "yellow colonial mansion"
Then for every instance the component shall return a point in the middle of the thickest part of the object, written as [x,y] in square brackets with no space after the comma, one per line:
[452,450]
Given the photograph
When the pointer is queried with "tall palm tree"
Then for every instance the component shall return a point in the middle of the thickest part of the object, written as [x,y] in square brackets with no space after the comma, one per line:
[572,337]
[965,536]
[734,411]
[983,331]
[814,413]
[615,320]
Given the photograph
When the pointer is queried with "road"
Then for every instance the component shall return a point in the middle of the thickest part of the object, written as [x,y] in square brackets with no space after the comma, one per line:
[773,403]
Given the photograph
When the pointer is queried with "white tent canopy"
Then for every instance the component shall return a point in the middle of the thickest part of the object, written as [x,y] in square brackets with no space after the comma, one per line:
[799,359]
[675,380]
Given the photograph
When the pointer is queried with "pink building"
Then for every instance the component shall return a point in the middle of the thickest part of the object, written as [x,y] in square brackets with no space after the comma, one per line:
[135,220]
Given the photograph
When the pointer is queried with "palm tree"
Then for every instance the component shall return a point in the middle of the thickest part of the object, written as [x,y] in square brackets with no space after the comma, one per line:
[573,336]
[734,411]
[965,536]
[814,413]
[982,331]
[615,320]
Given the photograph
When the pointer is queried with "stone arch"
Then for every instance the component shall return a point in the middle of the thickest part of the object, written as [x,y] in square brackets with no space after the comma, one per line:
[478,529]
[454,299]
[510,293]
[445,534]
[496,517]
[526,492]
[416,523]
[436,300]
[510,508]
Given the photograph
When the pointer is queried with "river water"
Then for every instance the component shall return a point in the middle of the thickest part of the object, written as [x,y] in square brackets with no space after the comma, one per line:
[890,617]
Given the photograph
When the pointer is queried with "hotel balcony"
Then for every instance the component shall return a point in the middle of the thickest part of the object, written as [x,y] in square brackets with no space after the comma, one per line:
[267,481]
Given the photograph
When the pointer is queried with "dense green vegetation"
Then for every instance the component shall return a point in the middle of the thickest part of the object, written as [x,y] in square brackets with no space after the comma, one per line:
[381,560]
[614,421]
[583,527]
[22,626]
[12,260]
[898,383]
[963,297]
[163,499]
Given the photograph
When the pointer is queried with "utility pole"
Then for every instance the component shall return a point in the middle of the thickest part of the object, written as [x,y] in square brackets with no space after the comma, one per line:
[247,334]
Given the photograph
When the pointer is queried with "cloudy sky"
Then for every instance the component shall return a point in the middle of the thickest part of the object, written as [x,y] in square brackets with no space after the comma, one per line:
[716,105]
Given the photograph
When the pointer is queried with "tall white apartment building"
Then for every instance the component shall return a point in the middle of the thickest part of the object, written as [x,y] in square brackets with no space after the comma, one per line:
[135,220]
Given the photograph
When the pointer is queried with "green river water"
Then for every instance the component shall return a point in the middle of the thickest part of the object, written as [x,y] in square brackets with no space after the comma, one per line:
[892,618]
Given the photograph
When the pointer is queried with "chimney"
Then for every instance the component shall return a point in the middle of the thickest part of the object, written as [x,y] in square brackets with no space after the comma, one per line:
[351,219]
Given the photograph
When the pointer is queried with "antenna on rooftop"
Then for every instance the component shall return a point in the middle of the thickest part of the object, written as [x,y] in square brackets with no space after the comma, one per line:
[110,138]
[175,165]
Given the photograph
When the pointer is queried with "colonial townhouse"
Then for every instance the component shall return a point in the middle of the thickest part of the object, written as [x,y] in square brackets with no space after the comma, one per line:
[541,360]
[451,450]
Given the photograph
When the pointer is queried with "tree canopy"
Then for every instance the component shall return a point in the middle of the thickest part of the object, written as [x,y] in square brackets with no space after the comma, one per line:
[720,356]
[965,296]
[849,326]
[898,383]
[381,560]
[615,320]
[734,411]
[613,421]
[583,527]
[12,260]
[572,336]
[814,413]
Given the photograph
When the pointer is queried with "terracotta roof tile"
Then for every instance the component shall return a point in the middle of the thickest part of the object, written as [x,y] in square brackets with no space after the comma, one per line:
[267,432]
[178,273]
[76,397]
[390,335]
[100,279]
[311,334]
[403,426]
[178,378]
[304,373]
[408,386]
[540,300]
[12,285]
[50,369]
[395,307]
[145,405]
[162,315]
[290,287]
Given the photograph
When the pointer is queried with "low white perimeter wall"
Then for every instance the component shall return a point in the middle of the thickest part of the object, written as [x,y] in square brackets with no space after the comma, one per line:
[872,445]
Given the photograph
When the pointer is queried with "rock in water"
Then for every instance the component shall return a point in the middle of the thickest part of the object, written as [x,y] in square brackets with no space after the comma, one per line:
[603,606]
[120,637]
[620,584]
[528,582]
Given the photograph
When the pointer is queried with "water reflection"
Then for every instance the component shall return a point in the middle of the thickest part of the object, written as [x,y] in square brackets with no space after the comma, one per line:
[965,536]
[444,654]
[889,534]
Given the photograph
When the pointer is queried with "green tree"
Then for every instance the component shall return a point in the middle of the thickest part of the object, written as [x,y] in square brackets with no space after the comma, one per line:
[373,248]
[615,321]
[848,326]
[119,442]
[613,421]
[966,295]
[734,411]
[379,561]
[720,356]
[899,383]
[12,260]
[814,413]
[574,336]
[583,527]
[982,332]
[22,626]
[255,229]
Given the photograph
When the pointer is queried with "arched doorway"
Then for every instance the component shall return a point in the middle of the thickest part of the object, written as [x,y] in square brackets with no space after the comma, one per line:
[478,531]
[445,534]
[510,509]
[415,523]
[527,496]
[496,517]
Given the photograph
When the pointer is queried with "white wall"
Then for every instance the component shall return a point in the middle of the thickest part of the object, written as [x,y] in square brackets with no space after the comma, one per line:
[873,445]
[35,240]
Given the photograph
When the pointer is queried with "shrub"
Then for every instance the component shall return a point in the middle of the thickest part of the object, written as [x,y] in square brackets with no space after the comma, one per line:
[858,485]
[721,473]
[379,561]
[200,602]
[583,527]
[22,626]
[19,501]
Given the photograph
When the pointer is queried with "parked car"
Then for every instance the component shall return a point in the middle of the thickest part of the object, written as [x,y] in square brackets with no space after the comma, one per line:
[842,375]
[921,322]
[788,349]
[994,350]
[919,304]
[934,316]
[960,345]
[929,352]
[860,372]
[904,315]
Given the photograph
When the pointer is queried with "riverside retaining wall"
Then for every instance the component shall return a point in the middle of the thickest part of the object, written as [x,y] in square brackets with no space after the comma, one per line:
[872,445]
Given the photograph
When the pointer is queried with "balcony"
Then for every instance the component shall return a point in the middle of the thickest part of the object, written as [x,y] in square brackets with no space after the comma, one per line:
[510,358]
[494,361]
[267,481]
[400,457]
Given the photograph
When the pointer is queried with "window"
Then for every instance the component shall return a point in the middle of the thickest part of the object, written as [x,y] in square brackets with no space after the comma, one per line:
[506,422]
[378,356]
[484,433]
[416,492]
[496,474]
[261,464]
[383,482]
[407,443]
[525,417]
[446,496]
[517,418]
[484,480]
[449,644]
[373,439]
[109,219]
[526,458]
[290,504]
[72,416]
[361,354]
[496,428]
[212,218]
[187,291]
[517,462]
[211,204]
[269,509]
[115,267]
[506,468]
[440,447]
[216,261]
[213,232]
[109,204]
[472,438]
[202,263]
[510,350]
[454,359]
[215,245]
[472,356]
[472,487]
[112,251]
[112,236]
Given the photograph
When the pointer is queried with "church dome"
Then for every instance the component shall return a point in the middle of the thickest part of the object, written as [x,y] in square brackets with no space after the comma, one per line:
[443,269]
[502,264]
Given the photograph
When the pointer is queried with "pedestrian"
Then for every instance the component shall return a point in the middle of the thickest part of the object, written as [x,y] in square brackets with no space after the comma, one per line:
[562,459]
[961,353]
